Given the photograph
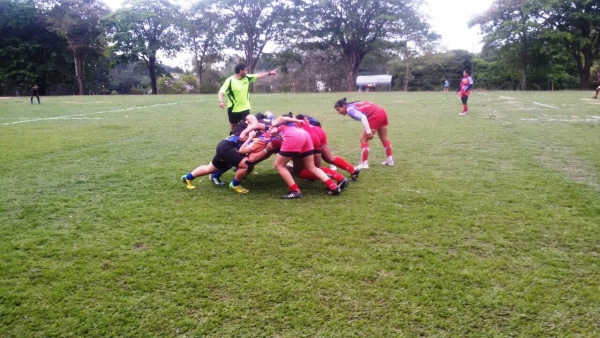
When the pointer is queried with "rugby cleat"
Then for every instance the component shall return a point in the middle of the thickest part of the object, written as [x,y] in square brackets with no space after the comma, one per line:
[363,165]
[463,113]
[188,183]
[343,184]
[215,180]
[336,191]
[291,195]
[238,188]
[354,175]
[389,162]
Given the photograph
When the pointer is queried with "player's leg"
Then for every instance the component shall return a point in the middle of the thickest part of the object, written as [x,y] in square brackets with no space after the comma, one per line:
[280,166]
[339,162]
[364,151]
[387,145]
[202,170]
[309,163]
[464,99]
[215,177]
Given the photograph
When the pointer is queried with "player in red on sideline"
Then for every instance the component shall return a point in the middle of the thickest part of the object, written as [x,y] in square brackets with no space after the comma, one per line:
[464,90]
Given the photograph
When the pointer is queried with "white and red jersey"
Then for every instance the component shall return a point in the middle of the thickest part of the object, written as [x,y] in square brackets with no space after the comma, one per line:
[357,109]
[465,85]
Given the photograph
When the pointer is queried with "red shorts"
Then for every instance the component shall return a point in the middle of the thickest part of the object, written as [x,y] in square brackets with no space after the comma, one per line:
[322,136]
[378,119]
[296,143]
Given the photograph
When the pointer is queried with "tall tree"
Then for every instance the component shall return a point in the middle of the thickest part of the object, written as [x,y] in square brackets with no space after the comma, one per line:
[29,52]
[78,22]
[142,28]
[576,24]
[204,32]
[512,24]
[356,27]
[255,23]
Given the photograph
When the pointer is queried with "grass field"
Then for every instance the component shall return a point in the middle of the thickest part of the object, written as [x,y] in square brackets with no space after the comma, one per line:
[487,226]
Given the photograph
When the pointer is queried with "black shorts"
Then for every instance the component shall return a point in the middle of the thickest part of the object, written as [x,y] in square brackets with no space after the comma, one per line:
[464,99]
[296,154]
[227,155]
[237,117]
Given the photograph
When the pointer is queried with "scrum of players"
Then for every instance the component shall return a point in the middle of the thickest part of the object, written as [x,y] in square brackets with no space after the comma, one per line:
[298,143]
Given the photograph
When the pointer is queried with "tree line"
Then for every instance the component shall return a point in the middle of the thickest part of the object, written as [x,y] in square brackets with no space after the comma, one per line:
[320,44]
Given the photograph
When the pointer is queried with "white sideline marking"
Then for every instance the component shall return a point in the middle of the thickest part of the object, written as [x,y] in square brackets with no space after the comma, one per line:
[506,97]
[596,117]
[544,105]
[98,112]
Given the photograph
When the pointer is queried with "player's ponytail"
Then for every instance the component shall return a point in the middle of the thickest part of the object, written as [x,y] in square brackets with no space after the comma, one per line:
[340,103]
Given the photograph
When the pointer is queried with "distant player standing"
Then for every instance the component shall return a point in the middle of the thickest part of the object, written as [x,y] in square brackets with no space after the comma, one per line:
[464,90]
[374,120]
[35,91]
[597,91]
[236,88]
[446,85]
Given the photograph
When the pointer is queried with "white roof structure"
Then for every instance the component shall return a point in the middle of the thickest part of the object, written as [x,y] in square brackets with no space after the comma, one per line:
[373,80]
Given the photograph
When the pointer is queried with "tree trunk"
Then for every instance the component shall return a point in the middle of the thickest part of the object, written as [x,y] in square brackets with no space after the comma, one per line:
[151,63]
[78,59]
[407,75]
[199,69]
[584,74]
[523,65]
[351,63]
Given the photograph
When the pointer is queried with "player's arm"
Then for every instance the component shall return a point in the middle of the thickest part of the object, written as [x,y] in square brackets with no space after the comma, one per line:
[222,92]
[246,146]
[261,75]
[359,116]
[287,119]
[470,84]
[251,127]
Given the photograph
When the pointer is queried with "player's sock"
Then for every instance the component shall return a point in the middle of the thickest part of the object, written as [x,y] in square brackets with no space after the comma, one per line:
[235,182]
[333,174]
[218,174]
[294,187]
[465,107]
[189,176]
[364,152]
[307,175]
[340,163]
[387,145]
[32,100]
[331,185]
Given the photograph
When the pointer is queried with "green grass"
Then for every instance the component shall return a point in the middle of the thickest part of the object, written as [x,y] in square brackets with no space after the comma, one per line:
[488,225]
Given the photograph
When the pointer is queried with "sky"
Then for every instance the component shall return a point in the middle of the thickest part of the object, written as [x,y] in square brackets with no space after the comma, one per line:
[448,18]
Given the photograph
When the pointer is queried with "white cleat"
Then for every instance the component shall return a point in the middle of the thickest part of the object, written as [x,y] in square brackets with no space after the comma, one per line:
[363,165]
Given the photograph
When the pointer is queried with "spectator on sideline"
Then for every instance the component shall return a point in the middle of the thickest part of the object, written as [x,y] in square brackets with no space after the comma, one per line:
[35,91]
